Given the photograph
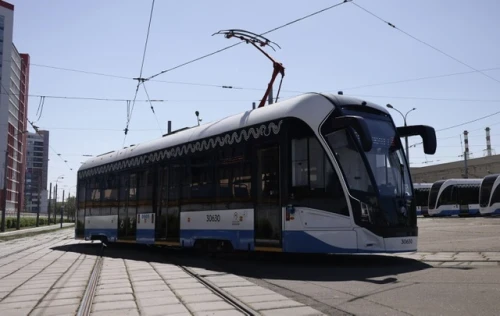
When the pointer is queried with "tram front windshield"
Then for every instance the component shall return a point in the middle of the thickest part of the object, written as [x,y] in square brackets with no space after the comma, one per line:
[391,180]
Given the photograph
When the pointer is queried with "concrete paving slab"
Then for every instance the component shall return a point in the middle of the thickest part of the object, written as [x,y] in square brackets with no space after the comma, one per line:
[113,298]
[200,298]
[275,304]
[262,298]
[55,311]
[113,291]
[293,311]
[171,309]
[232,312]
[209,306]
[16,312]
[187,292]
[191,285]
[121,312]
[139,289]
[59,302]
[156,301]
[160,294]
[117,305]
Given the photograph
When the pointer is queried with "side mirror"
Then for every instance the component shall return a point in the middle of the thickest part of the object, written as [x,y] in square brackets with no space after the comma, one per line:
[359,125]
[427,133]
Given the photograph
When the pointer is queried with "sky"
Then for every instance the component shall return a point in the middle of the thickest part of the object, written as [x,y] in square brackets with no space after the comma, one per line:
[344,48]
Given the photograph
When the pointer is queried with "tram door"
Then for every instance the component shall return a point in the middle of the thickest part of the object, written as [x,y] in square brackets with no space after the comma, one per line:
[268,222]
[162,203]
[168,210]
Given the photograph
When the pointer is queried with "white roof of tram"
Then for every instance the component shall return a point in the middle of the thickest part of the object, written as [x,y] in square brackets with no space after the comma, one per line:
[311,108]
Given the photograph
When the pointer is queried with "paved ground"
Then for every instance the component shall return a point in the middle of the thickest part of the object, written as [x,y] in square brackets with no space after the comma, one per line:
[456,272]
[48,275]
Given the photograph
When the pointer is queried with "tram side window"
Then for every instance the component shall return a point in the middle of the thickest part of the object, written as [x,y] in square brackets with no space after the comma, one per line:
[110,195]
[80,213]
[174,187]
[314,182]
[233,178]
[145,192]
[93,199]
[496,196]
[446,197]
[202,184]
[81,194]
[468,195]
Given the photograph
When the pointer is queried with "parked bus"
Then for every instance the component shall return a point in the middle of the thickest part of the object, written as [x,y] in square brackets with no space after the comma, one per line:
[422,198]
[490,195]
[317,173]
[454,197]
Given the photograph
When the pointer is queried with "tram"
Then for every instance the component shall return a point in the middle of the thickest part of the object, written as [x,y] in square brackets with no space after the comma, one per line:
[422,198]
[317,173]
[454,197]
[490,195]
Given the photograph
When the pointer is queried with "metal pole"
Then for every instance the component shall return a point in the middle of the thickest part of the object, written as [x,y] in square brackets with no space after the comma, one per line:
[465,165]
[55,204]
[4,197]
[38,199]
[67,211]
[62,208]
[406,145]
[18,222]
[253,105]
[48,207]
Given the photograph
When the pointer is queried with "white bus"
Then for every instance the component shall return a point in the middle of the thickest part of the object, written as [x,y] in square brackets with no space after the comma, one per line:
[454,197]
[317,173]
[490,195]
[422,198]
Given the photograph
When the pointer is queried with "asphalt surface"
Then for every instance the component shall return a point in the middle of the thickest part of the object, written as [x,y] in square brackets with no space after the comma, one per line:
[455,272]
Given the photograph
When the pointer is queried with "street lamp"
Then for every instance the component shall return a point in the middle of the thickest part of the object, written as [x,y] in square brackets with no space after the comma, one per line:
[55,206]
[404,119]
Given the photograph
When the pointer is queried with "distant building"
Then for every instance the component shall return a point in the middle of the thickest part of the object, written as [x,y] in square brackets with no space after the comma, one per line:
[14,78]
[37,165]
[476,168]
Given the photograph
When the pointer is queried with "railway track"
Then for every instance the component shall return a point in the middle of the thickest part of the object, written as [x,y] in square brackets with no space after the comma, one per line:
[28,248]
[226,297]
[85,307]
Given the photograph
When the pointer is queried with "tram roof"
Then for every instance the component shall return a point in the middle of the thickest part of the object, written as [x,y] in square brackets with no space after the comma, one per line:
[298,106]
[461,181]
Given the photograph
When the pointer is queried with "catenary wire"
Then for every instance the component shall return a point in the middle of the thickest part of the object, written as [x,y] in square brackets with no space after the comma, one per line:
[233,45]
[425,43]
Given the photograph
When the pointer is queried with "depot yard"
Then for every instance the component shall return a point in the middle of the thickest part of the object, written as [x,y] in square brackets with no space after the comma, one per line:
[456,271]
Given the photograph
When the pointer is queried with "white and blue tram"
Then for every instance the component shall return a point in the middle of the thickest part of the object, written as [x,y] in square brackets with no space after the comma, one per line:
[454,197]
[490,195]
[422,198]
[317,173]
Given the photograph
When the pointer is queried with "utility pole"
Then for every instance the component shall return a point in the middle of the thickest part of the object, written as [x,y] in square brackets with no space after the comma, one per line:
[62,208]
[48,206]
[38,202]
[4,197]
[55,204]
[466,171]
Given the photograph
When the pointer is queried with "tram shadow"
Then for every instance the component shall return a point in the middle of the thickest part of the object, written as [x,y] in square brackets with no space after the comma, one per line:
[378,269]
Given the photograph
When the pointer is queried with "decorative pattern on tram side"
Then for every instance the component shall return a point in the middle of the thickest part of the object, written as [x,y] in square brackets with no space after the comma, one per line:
[174,152]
